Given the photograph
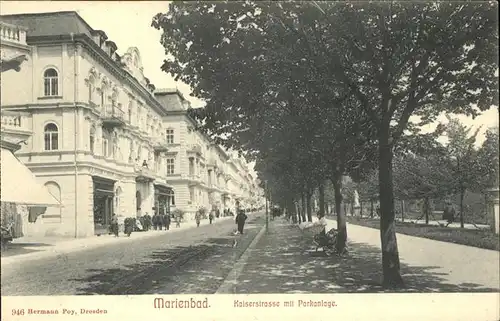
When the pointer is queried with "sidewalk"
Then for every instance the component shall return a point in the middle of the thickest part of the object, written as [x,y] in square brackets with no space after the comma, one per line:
[283,261]
[29,248]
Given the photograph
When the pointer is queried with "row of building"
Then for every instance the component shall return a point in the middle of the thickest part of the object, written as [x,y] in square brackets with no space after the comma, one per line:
[99,135]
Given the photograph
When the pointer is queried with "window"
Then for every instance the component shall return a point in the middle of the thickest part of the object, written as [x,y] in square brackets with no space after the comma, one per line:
[170,136]
[172,198]
[91,89]
[191,194]
[53,212]
[92,139]
[107,143]
[50,82]
[51,137]
[170,166]
[130,112]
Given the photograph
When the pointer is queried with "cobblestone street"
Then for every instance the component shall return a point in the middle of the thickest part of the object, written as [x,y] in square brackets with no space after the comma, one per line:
[192,261]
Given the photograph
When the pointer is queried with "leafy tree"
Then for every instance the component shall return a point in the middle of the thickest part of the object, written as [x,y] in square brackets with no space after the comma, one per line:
[409,59]
[488,161]
[422,177]
[252,61]
[462,159]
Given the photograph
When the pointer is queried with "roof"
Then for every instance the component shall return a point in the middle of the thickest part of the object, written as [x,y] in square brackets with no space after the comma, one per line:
[50,23]
[165,91]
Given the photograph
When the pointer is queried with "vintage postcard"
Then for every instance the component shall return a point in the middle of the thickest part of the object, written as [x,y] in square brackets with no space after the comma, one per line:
[250,160]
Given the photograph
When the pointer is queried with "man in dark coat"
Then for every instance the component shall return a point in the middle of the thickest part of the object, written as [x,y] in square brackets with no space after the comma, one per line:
[155,221]
[161,221]
[449,213]
[166,221]
[114,225]
[240,220]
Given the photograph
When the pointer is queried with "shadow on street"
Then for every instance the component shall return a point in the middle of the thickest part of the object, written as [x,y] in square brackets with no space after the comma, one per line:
[288,264]
[22,248]
[199,268]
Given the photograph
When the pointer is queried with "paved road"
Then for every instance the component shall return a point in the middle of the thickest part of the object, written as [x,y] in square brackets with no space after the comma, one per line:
[433,266]
[282,262]
[192,261]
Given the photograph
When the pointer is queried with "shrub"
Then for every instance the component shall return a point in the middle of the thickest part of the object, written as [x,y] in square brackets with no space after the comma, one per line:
[203,212]
[178,214]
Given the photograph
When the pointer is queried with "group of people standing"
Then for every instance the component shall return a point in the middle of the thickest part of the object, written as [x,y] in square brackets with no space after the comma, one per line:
[163,221]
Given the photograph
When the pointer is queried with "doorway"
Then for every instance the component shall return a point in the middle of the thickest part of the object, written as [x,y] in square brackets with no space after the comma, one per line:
[103,204]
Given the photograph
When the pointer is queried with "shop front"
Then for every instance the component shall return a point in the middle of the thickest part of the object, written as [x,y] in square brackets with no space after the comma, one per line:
[163,195]
[103,204]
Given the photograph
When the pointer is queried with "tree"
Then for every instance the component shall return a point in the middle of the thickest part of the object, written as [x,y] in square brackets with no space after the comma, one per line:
[250,61]
[410,59]
[462,159]
[488,161]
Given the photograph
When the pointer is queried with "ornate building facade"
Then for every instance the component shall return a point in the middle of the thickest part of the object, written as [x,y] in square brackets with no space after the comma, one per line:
[104,140]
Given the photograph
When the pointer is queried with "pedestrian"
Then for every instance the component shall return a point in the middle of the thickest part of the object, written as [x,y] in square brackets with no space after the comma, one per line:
[114,225]
[167,221]
[161,219]
[147,220]
[177,221]
[155,221]
[197,217]
[217,213]
[211,216]
[449,213]
[240,220]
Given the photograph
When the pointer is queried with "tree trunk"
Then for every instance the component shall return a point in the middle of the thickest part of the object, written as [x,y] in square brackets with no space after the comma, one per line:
[371,208]
[341,219]
[304,205]
[390,254]
[402,210]
[462,195]
[426,210]
[290,209]
[309,207]
[322,199]
[297,209]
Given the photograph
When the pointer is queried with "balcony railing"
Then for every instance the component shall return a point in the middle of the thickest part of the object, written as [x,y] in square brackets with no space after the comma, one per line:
[113,116]
[160,145]
[15,121]
[12,33]
[144,174]
[194,148]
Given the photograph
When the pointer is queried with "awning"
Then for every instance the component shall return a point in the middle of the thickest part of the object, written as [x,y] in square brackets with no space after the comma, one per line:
[20,186]
[163,189]
[13,62]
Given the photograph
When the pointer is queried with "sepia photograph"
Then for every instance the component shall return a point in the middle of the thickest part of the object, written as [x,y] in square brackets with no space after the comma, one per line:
[248,157]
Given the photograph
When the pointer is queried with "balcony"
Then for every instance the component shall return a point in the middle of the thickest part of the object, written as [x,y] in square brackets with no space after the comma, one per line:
[144,174]
[113,117]
[14,47]
[12,33]
[159,145]
[194,179]
[194,149]
[212,162]
[14,128]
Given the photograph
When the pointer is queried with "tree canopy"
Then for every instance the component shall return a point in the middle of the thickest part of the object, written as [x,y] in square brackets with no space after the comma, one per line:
[320,89]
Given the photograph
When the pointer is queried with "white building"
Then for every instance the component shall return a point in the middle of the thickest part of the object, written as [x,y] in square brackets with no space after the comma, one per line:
[103,141]
[22,197]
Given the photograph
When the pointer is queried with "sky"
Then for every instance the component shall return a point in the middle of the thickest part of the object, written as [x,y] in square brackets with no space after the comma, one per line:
[128,24]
